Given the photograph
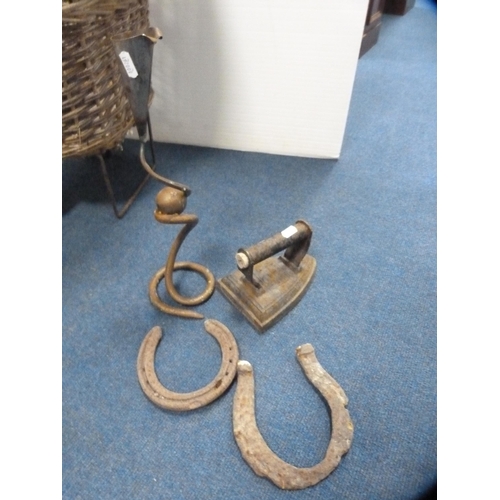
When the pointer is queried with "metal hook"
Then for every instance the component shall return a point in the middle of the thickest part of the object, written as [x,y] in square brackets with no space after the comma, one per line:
[170,205]
[169,400]
[255,450]
[150,170]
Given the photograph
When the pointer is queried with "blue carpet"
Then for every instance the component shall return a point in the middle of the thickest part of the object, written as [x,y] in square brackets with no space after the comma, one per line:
[370,312]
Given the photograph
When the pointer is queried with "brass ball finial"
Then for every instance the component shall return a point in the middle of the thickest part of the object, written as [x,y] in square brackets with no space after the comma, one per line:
[171,201]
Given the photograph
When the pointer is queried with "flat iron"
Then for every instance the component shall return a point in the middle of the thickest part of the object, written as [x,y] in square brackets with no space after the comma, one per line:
[265,288]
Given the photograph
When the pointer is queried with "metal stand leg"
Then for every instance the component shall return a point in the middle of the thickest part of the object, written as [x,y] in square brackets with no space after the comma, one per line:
[121,212]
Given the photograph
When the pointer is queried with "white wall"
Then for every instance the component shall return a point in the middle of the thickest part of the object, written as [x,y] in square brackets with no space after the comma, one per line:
[271,76]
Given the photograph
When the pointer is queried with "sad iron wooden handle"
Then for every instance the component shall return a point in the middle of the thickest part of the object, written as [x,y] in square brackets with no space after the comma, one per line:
[295,239]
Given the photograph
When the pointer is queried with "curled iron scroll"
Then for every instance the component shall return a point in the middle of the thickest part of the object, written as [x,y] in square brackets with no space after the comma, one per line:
[263,461]
[166,272]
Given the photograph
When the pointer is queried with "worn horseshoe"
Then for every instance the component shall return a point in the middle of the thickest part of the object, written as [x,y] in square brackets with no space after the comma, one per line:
[169,400]
[255,450]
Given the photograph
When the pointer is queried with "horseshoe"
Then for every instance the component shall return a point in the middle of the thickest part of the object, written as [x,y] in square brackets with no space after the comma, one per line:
[255,450]
[169,400]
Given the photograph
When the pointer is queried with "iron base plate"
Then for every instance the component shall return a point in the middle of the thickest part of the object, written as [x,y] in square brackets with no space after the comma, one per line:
[281,285]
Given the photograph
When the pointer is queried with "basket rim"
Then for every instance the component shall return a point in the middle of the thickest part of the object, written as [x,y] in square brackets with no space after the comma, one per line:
[82,10]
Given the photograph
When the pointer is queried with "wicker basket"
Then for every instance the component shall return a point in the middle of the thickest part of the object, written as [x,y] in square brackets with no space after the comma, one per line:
[96,114]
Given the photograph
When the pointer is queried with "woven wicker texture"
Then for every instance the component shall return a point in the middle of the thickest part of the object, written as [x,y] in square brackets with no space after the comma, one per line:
[96,114]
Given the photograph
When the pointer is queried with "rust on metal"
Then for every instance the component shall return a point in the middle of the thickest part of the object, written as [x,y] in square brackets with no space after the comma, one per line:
[174,401]
[265,288]
[170,203]
[263,461]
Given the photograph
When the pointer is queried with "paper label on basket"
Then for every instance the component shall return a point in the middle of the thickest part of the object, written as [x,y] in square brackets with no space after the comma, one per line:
[289,231]
[128,64]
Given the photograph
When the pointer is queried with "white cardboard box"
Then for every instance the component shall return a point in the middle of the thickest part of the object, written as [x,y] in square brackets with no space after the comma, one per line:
[271,76]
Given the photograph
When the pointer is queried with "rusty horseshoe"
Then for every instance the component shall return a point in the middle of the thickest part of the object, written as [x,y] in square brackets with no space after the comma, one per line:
[169,400]
[255,450]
